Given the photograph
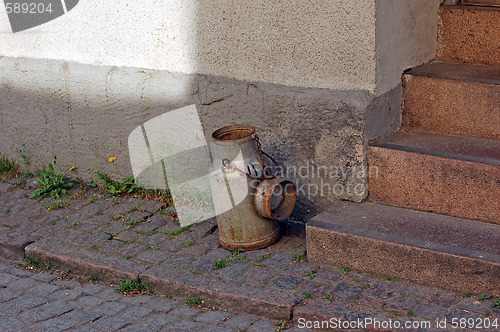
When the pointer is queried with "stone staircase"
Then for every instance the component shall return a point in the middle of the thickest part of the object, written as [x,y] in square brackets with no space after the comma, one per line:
[433,214]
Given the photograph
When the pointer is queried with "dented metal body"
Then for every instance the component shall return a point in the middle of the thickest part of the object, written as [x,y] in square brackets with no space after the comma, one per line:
[240,226]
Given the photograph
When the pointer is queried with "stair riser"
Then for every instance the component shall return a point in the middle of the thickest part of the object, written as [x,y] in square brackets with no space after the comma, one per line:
[430,183]
[451,107]
[469,34]
[384,258]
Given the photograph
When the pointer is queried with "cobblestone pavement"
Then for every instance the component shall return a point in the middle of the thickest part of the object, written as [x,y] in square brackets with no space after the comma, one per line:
[113,238]
[49,301]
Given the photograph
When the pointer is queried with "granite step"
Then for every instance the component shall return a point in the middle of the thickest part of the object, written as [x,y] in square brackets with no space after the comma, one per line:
[430,249]
[469,34]
[452,175]
[453,98]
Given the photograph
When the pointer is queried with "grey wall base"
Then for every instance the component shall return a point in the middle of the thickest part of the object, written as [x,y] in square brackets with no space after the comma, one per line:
[85,113]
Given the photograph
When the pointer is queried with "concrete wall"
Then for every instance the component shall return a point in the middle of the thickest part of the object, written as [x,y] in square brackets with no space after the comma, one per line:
[323,44]
[317,79]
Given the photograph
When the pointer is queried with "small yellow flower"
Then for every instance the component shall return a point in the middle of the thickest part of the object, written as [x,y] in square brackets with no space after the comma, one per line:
[55,156]
[72,168]
[111,159]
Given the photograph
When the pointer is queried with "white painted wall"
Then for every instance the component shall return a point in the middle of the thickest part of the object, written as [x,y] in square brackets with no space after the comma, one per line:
[325,44]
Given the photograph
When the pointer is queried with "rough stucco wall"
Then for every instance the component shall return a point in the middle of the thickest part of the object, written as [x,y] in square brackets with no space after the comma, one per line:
[85,113]
[406,34]
[324,44]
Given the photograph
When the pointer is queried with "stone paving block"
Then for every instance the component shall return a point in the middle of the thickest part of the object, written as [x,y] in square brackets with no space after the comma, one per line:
[8,294]
[7,310]
[93,209]
[92,289]
[153,257]
[76,204]
[287,282]
[346,292]
[259,275]
[111,323]
[110,294]
[138,328]
[256,255]
[5,278]
[240,322]
[30,301]
[58,307]
[155,239]
[314,287]
[137,300]
[43,289]
[430,311]
[67,283]
[212,317]
[299,269]
[149,225]
[195,250]
[83,261]
[132,249]
[235,270]
[202,265]
[328,275]
[66,294]
[55,325]
[161,304]
[460,314]
[443,300]
[12,243]
[211,240]
[473,305]
[279,260]
[183,325]
[151,206]
[184,312]
[80,316]
[135,313]
[180,260]
[127,236]
[109,308]
[221,292]
[36,315]
[114,227]
[88,301]
[262,325]
[44,276]
[402,304]
[319,310]
[86,328]
[22,284]
[159,320]
[214,328]
[14,324]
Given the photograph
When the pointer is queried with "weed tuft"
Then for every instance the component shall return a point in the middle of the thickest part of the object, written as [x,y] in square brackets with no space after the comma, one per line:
[134,287]
[194,302]
[38,264]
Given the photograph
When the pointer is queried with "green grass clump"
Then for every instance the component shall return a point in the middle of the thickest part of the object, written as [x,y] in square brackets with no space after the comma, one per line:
[57,205]
[134,287]
[194,301]
[117,188]
[311,274]
[220,263]
[52,183]
[179,231]
[38,264]
[8,167]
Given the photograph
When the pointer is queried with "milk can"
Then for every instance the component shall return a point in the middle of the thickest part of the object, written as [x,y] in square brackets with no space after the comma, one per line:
[249,200]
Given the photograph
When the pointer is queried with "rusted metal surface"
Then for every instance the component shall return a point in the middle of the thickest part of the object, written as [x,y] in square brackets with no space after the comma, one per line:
[234,184]
[275,199]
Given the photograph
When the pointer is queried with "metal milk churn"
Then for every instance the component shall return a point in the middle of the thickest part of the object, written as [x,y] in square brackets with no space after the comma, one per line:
[248,201]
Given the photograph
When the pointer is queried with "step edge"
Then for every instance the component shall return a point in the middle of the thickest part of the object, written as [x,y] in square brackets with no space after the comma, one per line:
[447,155]
[417,71]
[434,246]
